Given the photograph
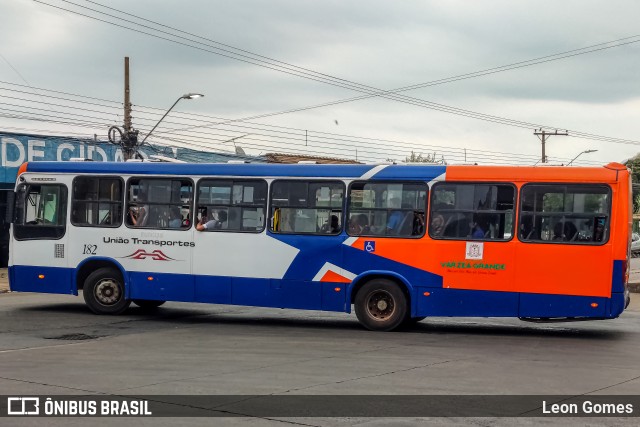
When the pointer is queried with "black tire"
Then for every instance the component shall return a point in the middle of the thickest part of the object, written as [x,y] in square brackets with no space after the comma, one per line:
[381,305]
[103,291]
[409,321]
[148,303]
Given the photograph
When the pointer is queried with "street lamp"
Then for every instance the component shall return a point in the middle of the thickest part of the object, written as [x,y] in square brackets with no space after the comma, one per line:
[584,152]
[185,96]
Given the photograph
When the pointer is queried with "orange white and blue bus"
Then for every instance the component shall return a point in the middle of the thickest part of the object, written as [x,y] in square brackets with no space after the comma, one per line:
[397,243]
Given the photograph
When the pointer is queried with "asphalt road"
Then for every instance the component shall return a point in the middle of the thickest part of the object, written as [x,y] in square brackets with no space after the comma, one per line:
[208,349]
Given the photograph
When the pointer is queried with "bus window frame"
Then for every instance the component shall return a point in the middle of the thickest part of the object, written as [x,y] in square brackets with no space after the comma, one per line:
[233,180]
[127,202]
[66,213]
[122,201]
[308,181]
[399,181]
[573,243]
[516,197]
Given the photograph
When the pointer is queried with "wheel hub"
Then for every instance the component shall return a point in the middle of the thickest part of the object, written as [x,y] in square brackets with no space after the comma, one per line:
[107,292]
[380,305]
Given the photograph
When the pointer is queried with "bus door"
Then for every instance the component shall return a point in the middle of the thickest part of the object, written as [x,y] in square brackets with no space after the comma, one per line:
[565,260]
[38,258]
[472,228]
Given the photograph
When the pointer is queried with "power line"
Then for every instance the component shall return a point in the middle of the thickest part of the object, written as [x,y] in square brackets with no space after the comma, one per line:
[350,137]
[351,140]
[65,93]
[370,91]
[410,146]
[520,64]
[334,149]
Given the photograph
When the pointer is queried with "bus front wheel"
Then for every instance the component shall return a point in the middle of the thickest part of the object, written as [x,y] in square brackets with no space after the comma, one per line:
[381,305]
[103,292]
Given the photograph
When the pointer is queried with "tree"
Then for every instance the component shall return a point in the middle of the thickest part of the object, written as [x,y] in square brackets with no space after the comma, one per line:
[419,158]
[634,164]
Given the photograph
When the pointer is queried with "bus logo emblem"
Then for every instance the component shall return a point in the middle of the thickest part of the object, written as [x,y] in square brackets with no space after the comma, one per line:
[370,246]
[474,250]
[156,255]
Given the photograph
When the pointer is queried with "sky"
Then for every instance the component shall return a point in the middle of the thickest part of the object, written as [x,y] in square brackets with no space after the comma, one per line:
[63,73]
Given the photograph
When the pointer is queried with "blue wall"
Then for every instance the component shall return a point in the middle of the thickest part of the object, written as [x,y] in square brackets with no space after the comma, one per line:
[16,148]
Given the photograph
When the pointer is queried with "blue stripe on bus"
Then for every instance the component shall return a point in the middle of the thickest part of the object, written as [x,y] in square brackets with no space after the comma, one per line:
[54,280]
[409,172]
[308,295]
[617,278]
[203,169]
[297,294]
[462,302]
[618,302]
[542,305]
[304,294]
[391,172]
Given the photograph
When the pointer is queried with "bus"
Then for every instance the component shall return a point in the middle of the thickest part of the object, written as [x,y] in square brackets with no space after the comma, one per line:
[398,243]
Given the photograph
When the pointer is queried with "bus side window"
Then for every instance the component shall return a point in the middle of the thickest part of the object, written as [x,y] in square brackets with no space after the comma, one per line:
[161,203]
[96,201]
[391,209]
[564,213]
[477,211]
[242,204]
[304,207]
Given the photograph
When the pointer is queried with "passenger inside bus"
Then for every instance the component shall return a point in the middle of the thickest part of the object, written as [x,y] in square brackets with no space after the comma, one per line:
[217,223]
[558,234]
[570,231]
[418,223]
[527,230]
[598,234]
[359,224]
[479,227]
[331,226]
[175,219]
[139,215]
[437,225]
[395,218]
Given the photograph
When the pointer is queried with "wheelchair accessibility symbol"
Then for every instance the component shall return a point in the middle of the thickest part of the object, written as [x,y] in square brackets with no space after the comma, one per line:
[370,246]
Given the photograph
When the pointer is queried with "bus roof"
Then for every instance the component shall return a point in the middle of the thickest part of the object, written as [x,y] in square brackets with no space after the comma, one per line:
[608,173]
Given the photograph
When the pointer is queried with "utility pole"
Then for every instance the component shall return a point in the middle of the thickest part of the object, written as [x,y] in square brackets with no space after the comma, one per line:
[128,136]
[543,135]
[127,98]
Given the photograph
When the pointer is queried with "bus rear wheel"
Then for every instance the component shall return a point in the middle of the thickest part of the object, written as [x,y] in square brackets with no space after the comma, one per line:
[381,305]
[148,303]
[103,292]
